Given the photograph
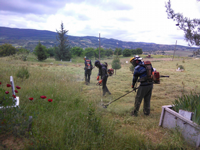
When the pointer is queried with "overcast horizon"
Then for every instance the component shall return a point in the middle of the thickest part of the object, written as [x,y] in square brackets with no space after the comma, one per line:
[127,20]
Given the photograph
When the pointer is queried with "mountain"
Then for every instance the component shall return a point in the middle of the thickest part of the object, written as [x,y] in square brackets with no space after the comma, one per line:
[29,38]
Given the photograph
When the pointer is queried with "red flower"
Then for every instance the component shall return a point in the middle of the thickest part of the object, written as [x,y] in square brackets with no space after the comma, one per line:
[16,91]
[0,83]
[50,100]
[8,85]
[43,97]
[18,87]
[6,92]
[14,96]
[31,98]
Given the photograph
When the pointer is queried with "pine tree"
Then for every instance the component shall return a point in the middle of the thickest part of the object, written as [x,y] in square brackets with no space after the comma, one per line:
[41,52]
[116,63]
[62,52]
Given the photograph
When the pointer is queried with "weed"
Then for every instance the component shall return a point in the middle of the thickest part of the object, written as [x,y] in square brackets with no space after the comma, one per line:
[23,73]
[181,67]
[189,102]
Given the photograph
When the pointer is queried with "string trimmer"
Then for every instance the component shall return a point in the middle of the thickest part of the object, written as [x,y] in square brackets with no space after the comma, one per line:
[106,105]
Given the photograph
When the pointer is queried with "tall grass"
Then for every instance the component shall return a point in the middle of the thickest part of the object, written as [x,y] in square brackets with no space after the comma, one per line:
[190,102]
[74,119]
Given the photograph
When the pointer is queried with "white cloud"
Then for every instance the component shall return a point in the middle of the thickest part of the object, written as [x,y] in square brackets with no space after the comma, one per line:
[127,20]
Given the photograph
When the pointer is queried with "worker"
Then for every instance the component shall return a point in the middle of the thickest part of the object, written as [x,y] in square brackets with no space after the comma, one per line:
[88,70]
[104,76]
[144,71]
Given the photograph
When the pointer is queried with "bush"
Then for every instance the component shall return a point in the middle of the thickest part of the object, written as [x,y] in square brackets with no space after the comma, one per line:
[116,63]
[7,50]
[23,73]
[181,67]
[41,52]
[126,52]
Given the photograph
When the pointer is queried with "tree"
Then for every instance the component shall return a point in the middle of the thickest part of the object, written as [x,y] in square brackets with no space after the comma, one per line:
[116,63]
[190,27]
[62,52]
[139,51]
[118,51]
[108,52]
[126,52]
[133,51]
[51,51]
[102,53]
[89,52]
[76,51]
[41,52]
[7,50]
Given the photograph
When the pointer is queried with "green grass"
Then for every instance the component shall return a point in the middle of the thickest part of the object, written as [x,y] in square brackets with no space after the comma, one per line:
[76,120]
[190,102]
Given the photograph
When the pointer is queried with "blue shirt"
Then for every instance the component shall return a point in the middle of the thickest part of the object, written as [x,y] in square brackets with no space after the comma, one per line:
[140,71]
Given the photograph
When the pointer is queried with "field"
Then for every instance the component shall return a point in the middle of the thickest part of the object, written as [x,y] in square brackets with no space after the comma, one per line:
[76,120]
[179,53]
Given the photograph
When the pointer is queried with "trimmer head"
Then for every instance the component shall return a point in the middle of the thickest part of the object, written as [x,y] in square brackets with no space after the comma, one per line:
[104,106]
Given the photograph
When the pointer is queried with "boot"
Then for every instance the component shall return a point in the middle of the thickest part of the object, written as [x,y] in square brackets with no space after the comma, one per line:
[134,113]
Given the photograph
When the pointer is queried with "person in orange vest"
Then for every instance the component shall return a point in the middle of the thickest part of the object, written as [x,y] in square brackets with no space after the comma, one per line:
[88,70]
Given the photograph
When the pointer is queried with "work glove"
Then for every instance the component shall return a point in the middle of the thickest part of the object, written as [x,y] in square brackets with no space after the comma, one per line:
[99,83]
[98,78]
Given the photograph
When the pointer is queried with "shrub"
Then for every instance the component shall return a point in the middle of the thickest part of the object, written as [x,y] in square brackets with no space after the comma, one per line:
[126,52]
[116,63]
[41,52]
[181,67]
[7,50]
[23,73]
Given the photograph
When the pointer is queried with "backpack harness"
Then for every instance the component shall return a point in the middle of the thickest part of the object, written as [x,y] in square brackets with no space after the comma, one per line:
[152,76]
[87,64]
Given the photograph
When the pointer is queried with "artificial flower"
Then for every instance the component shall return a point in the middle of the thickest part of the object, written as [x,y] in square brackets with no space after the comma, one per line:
[18,87]
[50,100]
[31,98]
[8,85]
[43,97]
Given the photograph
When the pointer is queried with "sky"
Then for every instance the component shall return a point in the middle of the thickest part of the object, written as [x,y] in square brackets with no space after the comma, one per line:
[126,20]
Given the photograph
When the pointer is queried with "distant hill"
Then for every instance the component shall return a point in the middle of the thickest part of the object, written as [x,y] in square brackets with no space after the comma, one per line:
[29,38]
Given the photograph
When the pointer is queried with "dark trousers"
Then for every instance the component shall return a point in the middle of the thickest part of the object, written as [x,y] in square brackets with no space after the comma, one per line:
[87,75]
[104,87]
[143,92]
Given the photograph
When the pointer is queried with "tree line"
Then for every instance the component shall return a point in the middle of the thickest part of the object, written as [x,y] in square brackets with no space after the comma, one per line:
[63,51]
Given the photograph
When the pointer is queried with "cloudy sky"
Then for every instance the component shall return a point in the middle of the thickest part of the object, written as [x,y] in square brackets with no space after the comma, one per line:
[126,20]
